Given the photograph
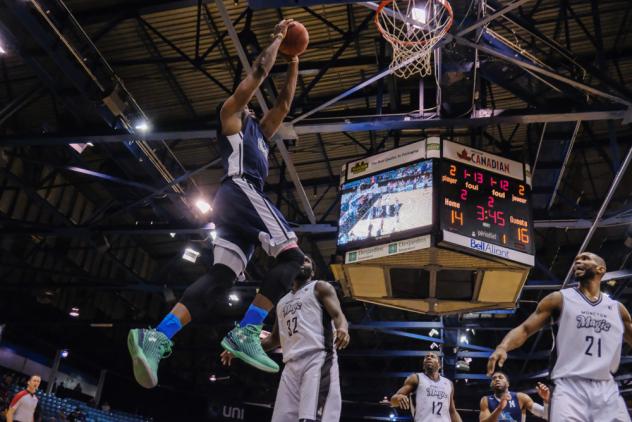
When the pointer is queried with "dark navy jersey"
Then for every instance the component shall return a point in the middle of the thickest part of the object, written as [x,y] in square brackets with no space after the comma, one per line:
[511,412]
[246,153]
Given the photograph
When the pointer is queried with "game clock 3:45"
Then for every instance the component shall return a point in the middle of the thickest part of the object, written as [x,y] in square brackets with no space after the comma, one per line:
[486,206]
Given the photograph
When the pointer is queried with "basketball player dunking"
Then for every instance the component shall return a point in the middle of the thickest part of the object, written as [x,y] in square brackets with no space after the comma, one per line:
[506,406]
[244,217]
[310,326]
[434,394]
[590,327]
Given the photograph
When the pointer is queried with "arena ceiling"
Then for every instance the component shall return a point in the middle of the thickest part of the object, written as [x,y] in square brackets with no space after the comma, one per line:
[103,226]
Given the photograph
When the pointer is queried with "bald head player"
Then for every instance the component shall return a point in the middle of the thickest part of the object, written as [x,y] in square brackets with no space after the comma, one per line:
[434,394]
[590,329]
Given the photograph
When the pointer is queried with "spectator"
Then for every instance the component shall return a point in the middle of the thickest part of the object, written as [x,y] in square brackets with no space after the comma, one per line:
[77,415]
[23,407]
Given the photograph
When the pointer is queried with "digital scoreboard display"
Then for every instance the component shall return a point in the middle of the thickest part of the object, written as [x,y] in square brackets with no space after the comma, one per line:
[485,206]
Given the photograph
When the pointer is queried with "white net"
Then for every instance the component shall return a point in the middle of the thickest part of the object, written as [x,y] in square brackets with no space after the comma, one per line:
[413,28]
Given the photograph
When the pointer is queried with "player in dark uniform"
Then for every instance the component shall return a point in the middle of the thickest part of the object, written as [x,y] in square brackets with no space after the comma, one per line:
[506,406]
[243,217]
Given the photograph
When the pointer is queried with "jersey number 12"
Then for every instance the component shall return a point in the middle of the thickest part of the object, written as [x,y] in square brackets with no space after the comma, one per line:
[436,407]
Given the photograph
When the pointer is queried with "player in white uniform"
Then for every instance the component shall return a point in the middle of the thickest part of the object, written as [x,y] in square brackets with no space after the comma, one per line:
[590,328]
[309,327]
[434,394]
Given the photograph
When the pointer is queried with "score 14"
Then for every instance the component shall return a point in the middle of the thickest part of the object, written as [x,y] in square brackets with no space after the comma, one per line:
[456,216]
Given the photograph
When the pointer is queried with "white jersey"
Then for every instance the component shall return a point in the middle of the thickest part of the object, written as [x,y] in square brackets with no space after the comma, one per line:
[432,399]
[304,324]
[589,337]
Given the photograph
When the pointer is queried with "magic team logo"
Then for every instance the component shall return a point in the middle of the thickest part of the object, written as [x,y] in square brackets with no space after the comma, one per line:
[359,167]
[291,308]
[433,391]
[587,321]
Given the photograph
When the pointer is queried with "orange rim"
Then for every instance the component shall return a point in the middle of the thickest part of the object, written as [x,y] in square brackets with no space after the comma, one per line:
[393,40]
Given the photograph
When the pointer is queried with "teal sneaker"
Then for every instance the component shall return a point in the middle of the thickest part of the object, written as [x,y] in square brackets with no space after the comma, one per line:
[244,343]
[147,347]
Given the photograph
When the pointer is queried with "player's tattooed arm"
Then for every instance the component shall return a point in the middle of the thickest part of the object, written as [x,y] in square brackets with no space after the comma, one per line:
[230,113]
[326,293]
[454,415]
[519,335]
[400,399]
[627,324]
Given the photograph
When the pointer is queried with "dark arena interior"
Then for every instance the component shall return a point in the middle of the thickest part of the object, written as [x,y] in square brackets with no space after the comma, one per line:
[110,162]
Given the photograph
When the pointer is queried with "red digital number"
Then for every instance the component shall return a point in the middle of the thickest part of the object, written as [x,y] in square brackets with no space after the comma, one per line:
[492,181]
[465,174]
[498,218]
[504,185]
[456,216]
[464,194]
[523,235]
[452,170]
[480,213]
[490,202]
[478,177]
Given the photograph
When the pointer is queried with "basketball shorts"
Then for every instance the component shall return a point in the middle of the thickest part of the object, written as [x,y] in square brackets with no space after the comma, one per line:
[583,400]
[309,390]
[244,217]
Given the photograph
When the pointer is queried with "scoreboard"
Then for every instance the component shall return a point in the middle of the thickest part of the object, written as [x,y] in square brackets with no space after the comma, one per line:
[485,203]
[457,196]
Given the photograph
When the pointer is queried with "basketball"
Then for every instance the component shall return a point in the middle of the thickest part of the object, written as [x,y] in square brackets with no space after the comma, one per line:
[295,41]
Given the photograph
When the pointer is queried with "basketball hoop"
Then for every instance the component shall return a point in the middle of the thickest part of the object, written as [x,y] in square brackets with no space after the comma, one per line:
[413,27]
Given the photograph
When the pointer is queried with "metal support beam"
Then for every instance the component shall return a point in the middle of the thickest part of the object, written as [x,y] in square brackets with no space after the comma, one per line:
[613,187]
[232,33]
[583,87]
[403,122]
[569,150]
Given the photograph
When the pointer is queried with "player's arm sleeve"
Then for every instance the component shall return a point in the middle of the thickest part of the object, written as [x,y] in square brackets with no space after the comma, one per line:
[15,404]
[533,407]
